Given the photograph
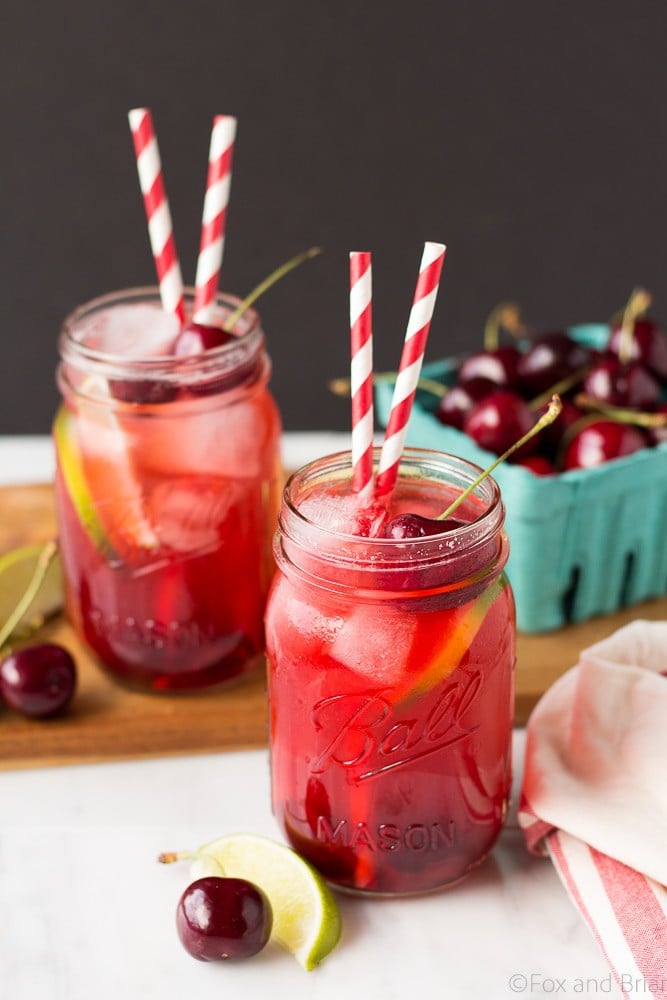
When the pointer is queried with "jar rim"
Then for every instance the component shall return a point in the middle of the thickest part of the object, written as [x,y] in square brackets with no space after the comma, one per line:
[416,458]
[244,350]
[319,552]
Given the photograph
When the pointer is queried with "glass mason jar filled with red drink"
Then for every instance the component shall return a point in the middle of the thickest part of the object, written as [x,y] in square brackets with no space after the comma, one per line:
[391,666]
[167,486]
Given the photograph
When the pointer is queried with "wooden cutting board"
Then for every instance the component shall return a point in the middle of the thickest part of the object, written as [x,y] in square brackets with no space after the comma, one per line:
[107,722]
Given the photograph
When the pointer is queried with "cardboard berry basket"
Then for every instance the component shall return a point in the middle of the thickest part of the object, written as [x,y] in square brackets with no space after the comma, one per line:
[582,543]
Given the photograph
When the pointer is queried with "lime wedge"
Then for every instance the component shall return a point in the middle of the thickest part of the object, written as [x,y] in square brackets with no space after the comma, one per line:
[450,648]
[16,571]
[306,920]
[71,466]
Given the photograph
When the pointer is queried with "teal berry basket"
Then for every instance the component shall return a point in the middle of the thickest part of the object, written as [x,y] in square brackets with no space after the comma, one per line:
[582,543]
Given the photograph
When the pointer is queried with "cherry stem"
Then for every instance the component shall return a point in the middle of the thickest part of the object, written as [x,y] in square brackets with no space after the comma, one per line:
[342,386]
[554,408]
[505,316]
[44,560]
[169,857]
[638,303]
[270,280]
[620,413]
[560,388]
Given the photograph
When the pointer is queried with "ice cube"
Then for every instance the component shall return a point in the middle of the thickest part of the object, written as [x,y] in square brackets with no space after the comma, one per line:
[188,514]
[309,620]
[234,440]
[375,642]
[133,331]
[346,513]
[296,628]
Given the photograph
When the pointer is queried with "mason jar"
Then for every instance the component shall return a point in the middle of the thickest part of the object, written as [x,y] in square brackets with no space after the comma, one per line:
[391,667]
[167,487]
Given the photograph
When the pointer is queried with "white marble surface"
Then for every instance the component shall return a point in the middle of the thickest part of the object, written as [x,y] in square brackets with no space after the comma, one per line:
[86,912]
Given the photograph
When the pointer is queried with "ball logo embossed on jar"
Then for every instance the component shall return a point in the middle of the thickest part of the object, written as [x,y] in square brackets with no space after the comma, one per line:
[369,735]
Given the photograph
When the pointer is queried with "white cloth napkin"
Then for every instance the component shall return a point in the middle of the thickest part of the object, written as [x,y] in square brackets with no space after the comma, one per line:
[594,797]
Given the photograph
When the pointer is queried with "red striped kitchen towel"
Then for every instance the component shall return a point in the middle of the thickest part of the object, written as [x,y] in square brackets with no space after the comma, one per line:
[594,798]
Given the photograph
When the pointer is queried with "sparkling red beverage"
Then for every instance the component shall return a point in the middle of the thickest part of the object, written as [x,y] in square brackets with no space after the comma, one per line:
[168,478]
[390,677]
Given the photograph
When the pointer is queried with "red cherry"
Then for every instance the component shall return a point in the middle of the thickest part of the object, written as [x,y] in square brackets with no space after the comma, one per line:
[601,441]
[648,345]
[540,465]
[39,680]
[497,421]
[460,399]
[222,918]
[550,358]
[142,390]
[620,384]
[198,337]
[498,366]
[416,526]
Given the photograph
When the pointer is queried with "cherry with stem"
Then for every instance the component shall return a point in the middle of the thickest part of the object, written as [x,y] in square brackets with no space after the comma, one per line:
[198,337]
[552,411]
[38,680]
[416,526]
[496,363]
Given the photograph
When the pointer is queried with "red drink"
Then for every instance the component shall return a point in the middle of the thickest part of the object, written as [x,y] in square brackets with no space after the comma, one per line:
[391,678]
[167,487]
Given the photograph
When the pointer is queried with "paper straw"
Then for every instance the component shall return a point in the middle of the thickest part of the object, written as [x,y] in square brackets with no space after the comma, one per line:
[409,369]
[214,217]
[361,368]
[160,229]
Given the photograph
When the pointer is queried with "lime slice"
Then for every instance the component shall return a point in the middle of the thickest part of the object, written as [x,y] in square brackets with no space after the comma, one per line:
[97,468]
[306,920]
[450,648]
[16,571]
[73,473]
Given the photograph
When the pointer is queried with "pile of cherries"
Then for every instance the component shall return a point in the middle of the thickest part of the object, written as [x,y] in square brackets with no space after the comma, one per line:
[613,400]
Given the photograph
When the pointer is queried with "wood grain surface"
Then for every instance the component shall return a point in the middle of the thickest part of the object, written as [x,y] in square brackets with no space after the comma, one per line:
[108,722]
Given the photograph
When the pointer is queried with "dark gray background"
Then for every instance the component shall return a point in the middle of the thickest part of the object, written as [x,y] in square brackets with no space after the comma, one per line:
[529,136]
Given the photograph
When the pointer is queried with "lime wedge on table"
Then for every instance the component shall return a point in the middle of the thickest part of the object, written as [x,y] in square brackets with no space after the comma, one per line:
[16,571]
[306,920]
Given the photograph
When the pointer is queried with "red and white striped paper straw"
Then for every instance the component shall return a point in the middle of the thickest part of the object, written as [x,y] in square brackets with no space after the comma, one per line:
[361,368]
[160,228]
[214,218]
[410,365]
